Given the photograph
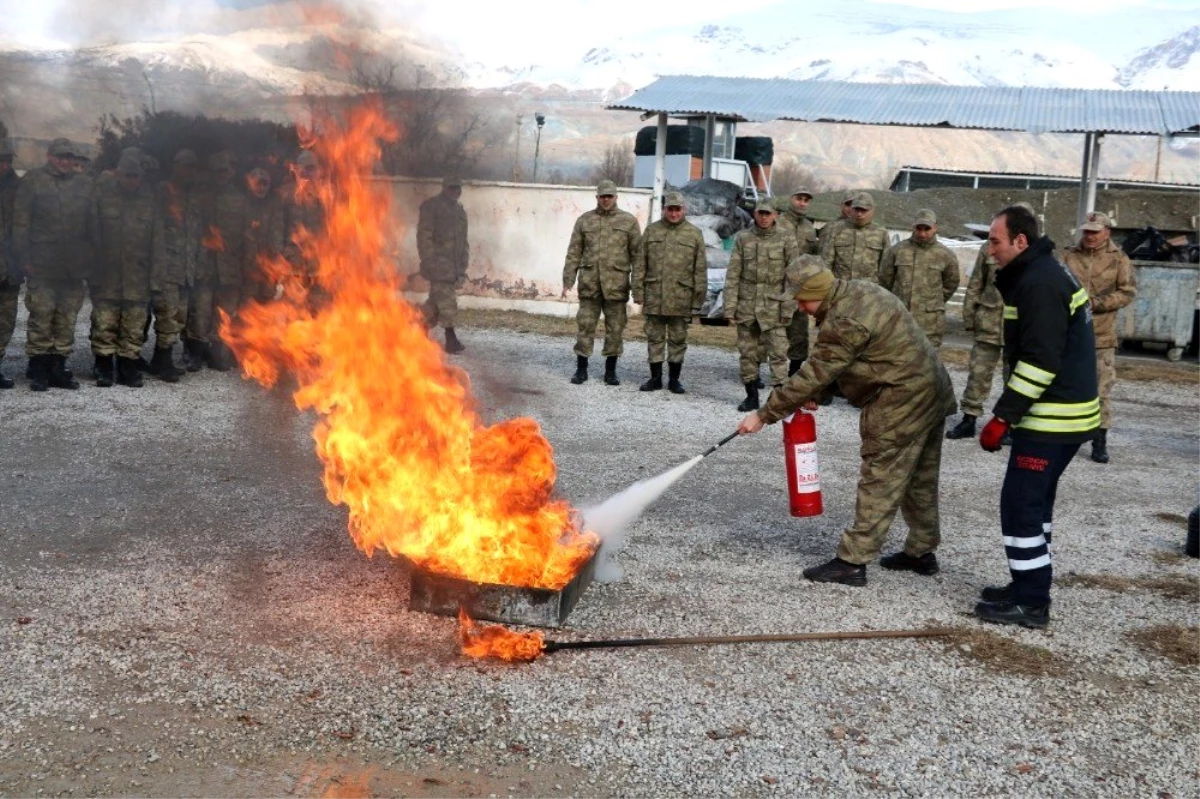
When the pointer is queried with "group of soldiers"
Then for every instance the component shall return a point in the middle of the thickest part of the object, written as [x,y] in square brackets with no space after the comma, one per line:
[179,250]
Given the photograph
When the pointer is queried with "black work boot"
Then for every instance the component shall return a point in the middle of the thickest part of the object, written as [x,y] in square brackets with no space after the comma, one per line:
[193,356]
[1033,616]
[964,429]
[926,565]
[453,345]
[838,571]
[128,373]
[610,371]
[6,382]
[750,403]
[59,376]
[673,384]
[794,366]
[581,374]
[104,371]
[655,381]
[996,593]
[162,367]
[1100,446]
[219,357]
[38,373]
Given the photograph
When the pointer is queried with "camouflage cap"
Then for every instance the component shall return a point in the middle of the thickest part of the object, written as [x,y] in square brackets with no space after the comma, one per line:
[849,196]
[61,148]
[606,188]
[130,165]
[219,162]
[802,191]
[149,163]
[307,158]
[863,200]
[258,173]
[186,157]
[451,182]
[672,199]
[806,271]
[925,217]
[1096,221]
[765,205]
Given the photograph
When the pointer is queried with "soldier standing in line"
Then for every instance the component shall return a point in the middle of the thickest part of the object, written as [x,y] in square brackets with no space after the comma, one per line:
[178,208]
[10,275]
[603,248]
[834,225]
[51,219]
[265,237]
[856,248]
[303,219]
[223,263]
[1105,271]
[670,278]
[445,254]
[808,243]
[870,344]
[924,274]
[753,283]
[127,236]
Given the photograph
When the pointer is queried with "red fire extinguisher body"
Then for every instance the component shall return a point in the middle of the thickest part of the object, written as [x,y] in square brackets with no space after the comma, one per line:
[803,472]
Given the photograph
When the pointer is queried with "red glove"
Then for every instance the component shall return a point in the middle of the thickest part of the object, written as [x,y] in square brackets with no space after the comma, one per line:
[992,433]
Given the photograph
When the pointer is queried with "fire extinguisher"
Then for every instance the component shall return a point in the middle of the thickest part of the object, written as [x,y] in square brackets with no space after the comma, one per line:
[803,473]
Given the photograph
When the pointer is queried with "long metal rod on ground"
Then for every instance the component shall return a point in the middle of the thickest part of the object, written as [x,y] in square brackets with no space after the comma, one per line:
[720,444]
[612,643]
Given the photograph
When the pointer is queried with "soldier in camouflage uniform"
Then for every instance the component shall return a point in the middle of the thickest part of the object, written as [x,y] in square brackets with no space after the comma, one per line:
[1105,271]
[303,219]
[856,248]
[833,226]
[127,237]
[222,265]
[603,248]
[870,344]
[753,282]
[51,219]
[670,278]
[444,252]
[808,243]
[178,207]
[924,274]
[10,275]
[265,240]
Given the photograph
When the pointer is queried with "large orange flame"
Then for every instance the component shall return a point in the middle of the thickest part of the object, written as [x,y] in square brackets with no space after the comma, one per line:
[402,445]
[501,643]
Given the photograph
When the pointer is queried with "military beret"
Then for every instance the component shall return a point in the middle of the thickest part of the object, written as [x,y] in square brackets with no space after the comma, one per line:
[1096,221]
[672,199]
[863,200]
[925,217]
[606,188]
[61,148]
[801,271]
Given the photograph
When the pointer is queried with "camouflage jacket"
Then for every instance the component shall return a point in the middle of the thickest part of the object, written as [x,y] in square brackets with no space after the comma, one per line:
[51,214]
[983,307]
[226,220]
[127,237]
[183,227]
[604,245]
[804,231]
[303,216]
[8,193]
[264,237]
[755,277]
[1110,281]
[442,239]
[873,348]
[854,253]
[670,275]
[923,276]
[825,237]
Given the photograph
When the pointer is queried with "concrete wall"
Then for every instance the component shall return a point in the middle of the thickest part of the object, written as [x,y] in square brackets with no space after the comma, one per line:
[518,235]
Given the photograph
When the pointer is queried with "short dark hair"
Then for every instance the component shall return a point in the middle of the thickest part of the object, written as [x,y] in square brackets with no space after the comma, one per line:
[1018,220]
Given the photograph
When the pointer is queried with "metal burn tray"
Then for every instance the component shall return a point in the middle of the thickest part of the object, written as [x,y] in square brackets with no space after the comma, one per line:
[431,592]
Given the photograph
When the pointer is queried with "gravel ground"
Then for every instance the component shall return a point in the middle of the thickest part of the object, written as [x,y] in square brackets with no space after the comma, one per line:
[182,613]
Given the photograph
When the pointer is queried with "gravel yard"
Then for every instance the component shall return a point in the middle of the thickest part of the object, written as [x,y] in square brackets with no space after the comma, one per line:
[182,612]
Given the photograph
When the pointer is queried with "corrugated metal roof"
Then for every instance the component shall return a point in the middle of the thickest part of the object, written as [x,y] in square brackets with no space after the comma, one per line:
[923,105]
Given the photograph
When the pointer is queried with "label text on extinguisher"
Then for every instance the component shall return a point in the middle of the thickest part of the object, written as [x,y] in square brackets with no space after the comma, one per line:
[808,475]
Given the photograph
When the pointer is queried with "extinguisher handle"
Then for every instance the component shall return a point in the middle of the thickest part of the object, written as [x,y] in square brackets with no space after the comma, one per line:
[720,444]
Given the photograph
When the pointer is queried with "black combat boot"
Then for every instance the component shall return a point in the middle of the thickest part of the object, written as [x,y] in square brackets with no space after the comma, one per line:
[794,366]
[1035,617]
[750,403]
[580,375]
[1100,446]
[838,571]
[59,376]
[673,384]
[964,429]
[610,371]
[925,565]
[219,357]
[128,373]
[996,594]
[655,381]
[6,382]
[193,356]
[162,367]
[38,373]
[104,371]
[758,382]
[453,345]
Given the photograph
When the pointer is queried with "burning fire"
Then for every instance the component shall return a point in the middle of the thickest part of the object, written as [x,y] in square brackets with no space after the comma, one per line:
[398,433]
[498,642]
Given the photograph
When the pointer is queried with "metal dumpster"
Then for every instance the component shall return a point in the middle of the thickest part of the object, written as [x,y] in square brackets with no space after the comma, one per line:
[1168,295]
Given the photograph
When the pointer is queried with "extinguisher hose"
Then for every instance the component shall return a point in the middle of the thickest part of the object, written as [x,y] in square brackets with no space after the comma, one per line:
[720,444]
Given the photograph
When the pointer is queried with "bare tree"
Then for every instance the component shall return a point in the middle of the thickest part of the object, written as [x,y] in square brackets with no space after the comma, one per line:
[789,175]
[616,164]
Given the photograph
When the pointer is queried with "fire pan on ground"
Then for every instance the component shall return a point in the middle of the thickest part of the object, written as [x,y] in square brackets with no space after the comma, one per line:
[431,592]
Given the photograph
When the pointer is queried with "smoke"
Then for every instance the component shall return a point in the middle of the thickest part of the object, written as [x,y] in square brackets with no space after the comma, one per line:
[611,518]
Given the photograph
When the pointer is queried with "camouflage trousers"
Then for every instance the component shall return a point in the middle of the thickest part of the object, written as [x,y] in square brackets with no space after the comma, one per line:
[615,315]
[1106,375]
[170,315]
[797,333]
[901,477]
[53,307]
[203,321]
[442,306]
[750,337]
[666,334]
[118,327]
[9,291]
[980,368]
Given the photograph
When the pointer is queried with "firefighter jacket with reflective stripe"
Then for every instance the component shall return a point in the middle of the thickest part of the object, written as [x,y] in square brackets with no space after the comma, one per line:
[1049,346]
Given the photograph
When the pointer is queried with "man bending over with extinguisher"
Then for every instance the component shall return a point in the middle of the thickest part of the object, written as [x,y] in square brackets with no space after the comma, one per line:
[869,344]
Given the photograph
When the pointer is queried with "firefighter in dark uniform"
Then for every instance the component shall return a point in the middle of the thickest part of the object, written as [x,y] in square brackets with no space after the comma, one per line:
[1050,402]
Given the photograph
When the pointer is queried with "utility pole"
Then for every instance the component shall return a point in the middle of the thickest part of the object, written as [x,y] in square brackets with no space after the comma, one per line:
[540,118]
[516,172]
